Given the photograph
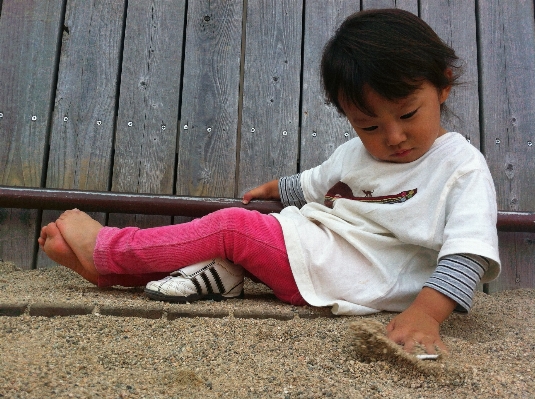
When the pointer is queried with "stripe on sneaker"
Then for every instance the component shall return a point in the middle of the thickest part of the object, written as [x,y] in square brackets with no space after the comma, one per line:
[197,285]
[218,281]
[207,283]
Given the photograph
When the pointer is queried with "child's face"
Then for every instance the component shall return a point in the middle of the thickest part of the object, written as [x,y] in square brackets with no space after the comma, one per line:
[403,130]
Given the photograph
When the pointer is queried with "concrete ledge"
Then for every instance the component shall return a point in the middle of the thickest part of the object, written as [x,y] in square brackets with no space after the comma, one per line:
[154,312]
[59,309]
[173,314]
[13,309]
[314,313]
[263,314]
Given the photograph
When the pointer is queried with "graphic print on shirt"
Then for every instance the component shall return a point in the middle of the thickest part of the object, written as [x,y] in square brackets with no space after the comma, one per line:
[342,190]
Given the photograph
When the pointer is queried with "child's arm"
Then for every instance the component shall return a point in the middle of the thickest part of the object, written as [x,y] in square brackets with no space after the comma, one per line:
[267,191]
[420,322]
[287,190]
[456,276]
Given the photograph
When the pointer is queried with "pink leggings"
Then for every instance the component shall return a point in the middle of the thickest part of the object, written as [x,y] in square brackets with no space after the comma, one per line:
[133,256]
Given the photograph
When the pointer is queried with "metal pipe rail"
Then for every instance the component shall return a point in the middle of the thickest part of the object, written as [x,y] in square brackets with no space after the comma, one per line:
[152,204]
[105,201]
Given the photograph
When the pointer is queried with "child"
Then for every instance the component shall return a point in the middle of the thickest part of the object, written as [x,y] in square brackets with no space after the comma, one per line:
[402,218]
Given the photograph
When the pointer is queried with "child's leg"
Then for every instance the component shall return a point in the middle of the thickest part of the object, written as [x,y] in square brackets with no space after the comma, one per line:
[247,238]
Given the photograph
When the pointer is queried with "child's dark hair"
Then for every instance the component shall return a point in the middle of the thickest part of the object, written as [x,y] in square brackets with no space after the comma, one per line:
[390,51]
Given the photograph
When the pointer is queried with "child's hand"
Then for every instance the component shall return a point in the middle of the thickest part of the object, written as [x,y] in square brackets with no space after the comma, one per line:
[267,191]
[420,323]
[414,327]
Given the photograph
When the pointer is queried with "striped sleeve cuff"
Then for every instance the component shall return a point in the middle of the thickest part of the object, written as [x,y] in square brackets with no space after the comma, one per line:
[456,276]
[291,192]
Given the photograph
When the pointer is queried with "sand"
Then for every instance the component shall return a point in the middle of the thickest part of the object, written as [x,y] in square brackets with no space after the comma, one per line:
[298,353]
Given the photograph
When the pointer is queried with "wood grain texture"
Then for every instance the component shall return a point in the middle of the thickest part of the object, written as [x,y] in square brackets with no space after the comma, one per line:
[271,94]
[507,48]
[323,129]
[29,33]
[209,116]
[507,52]
[408,5]
[517,252]
[18,239]
[84,114]
[455,23]
[29,42]
[147,123]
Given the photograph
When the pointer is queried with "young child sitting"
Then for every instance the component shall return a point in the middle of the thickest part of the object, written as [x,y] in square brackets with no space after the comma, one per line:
[401,218]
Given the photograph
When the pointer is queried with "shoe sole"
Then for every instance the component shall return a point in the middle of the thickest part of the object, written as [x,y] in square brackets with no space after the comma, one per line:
[158,296]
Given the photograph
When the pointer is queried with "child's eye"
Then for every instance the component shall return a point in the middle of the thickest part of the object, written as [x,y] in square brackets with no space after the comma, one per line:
[369,129]
[407,116]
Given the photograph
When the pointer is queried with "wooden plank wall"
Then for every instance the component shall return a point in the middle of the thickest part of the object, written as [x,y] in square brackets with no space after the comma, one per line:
[322,128]
[145,138]
[269,145]
[211,98]
[209,114]
[29,43]
[507,70]
[84,116]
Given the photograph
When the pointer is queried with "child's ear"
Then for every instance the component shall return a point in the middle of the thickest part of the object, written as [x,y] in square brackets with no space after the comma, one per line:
[444,93]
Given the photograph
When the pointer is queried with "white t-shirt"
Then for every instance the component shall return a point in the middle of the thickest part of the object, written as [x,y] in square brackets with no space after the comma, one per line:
[385,225]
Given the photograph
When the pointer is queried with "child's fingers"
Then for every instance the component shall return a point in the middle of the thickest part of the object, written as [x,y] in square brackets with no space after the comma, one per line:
[440,345]
[411,340]
[251,195]
[393,334]
[399,337]
[409,345]
[247,197]
[265,191]
[430,345]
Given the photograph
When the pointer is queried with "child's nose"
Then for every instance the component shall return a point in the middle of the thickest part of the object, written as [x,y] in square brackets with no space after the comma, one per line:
[395,134]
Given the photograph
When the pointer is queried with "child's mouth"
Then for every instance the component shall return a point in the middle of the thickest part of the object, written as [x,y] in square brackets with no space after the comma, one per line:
[402,153]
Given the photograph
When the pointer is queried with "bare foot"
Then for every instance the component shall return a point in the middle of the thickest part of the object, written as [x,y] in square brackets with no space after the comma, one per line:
[80,231]
[53,244]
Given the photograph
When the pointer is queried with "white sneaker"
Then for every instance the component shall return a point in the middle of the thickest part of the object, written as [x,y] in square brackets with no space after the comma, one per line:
[216,279]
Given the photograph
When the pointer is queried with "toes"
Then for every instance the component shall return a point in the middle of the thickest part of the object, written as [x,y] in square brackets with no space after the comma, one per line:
[50,230]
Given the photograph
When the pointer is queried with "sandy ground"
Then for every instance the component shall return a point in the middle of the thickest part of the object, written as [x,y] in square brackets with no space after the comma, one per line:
[96,356]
